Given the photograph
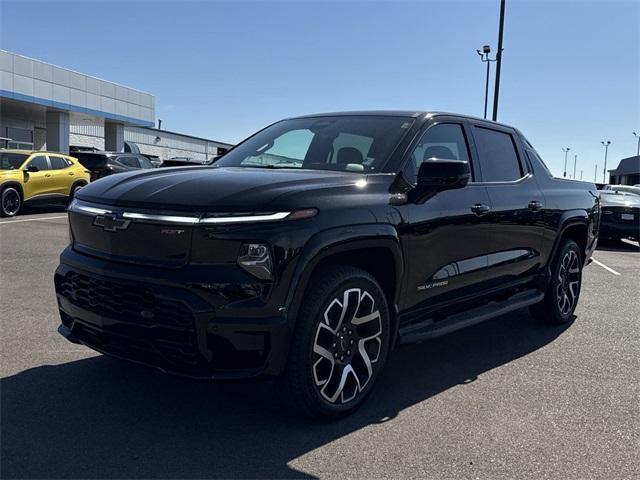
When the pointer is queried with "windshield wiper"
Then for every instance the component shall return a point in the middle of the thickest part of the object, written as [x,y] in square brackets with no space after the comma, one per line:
[270,166]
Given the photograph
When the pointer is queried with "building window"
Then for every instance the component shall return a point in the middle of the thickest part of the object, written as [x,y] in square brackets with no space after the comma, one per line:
[18,138]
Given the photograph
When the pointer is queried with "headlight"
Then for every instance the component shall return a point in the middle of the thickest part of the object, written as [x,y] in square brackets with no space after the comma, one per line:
[255,258]
[228,218]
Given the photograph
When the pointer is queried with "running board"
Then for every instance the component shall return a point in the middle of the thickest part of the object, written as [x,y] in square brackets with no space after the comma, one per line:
[430,329]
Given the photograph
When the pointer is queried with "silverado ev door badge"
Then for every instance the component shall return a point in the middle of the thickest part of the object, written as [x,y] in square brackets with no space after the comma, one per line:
[110,222]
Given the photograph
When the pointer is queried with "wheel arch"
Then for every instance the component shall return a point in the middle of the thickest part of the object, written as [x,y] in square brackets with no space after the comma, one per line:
[373,248]
[78,183]
[575,228]
[14,184]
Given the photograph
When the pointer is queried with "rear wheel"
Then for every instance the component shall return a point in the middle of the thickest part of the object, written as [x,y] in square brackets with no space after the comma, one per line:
[11,202]
[340,343]
[75,189]
[563,291]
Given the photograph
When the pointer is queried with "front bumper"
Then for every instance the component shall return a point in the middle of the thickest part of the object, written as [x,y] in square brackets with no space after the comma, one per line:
[162,318]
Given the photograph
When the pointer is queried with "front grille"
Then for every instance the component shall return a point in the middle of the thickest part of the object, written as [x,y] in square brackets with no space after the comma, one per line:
[127,302]
[142,325]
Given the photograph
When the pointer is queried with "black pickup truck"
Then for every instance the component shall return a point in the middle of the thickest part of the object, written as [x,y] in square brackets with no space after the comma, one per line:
[315,246]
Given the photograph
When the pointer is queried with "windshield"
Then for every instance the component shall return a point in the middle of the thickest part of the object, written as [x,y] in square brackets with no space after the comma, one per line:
[341,143]
[11,161]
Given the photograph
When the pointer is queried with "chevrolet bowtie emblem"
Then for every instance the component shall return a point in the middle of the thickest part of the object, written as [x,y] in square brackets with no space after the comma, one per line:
[111,223]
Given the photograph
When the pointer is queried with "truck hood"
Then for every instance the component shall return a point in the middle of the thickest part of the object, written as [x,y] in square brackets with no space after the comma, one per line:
[209,188]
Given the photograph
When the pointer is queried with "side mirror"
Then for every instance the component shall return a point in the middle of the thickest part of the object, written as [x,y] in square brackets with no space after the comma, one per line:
[32,169]
[441,174]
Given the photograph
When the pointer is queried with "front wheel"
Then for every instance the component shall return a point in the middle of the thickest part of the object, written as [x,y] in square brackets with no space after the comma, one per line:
[561,297]
[340,343]
[11,202]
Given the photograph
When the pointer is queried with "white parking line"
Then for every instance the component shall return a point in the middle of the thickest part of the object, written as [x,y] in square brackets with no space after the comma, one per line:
[631,242]
[605,267]
[6,222]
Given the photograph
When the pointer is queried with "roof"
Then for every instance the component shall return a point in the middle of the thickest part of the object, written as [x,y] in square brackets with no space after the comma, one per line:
[30,152]
[401,113]
[628,166]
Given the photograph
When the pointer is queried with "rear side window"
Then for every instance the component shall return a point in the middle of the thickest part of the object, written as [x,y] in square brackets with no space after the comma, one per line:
[40,161]
[533,157]
[90,161]
[129,162]
[145,162]
[498,156]
[58,163]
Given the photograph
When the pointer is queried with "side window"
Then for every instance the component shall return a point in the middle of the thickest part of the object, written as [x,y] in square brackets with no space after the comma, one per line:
[533,157]
[445,141]
[145,162]
[129,162]
[40,161]
[498,156]
[57,163]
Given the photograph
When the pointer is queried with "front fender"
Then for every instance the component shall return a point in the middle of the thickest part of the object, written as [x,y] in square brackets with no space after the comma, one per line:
[338,240]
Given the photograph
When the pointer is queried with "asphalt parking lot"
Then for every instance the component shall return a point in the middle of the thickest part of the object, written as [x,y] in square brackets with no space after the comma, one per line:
[506,399]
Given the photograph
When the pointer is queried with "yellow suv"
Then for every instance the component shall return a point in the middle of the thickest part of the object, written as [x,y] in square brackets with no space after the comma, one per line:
[28,177]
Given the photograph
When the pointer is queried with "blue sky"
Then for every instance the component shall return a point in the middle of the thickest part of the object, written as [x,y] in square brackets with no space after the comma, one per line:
[225,69]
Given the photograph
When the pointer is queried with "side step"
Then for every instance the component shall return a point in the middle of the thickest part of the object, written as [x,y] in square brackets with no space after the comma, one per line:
[430,329]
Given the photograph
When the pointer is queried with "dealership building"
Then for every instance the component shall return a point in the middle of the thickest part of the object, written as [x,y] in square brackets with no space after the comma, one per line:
[46,107]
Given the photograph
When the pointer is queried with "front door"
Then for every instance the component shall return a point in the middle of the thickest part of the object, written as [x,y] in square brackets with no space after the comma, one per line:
[447,236]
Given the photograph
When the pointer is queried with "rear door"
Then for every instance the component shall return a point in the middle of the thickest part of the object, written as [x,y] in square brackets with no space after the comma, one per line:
[62,175]
[516,217]
[38,183]
[447,236]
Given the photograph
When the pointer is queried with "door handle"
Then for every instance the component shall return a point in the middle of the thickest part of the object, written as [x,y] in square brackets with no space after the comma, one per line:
[480,209]
[47,174]
[71,173]
[535,205]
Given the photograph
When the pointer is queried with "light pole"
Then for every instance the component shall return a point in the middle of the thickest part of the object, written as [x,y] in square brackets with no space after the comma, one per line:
[637,135]
[604,170]
[595,174]
[565,150]
[496,90]
[580,174]
[575,160]
[484,56]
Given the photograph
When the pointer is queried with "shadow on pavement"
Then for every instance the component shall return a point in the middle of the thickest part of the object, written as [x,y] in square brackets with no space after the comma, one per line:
[40,209]
[102,418]
[617,246]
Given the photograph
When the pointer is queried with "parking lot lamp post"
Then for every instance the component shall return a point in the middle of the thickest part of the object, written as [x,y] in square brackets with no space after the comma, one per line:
[565,150]
[484,57]
[637,135]
[575,161]
[604,170]
[595,174]
[496,86]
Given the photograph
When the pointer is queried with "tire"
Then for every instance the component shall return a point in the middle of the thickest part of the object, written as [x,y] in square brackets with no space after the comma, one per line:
[339,346]
[74,190]
[563,291]
[10,202]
